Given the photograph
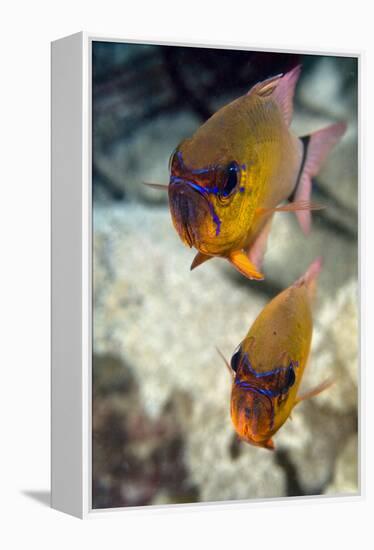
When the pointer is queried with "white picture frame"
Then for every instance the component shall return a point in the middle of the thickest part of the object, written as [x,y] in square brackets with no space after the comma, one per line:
[71,203]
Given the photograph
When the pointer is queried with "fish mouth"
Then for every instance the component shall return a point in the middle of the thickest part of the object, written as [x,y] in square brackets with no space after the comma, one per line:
[189,207]
[256,410]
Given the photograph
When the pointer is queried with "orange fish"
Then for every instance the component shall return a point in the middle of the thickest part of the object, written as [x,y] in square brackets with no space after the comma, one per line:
[229,178]
[268,365]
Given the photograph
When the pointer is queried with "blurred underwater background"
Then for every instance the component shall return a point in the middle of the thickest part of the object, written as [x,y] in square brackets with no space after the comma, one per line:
[162,432]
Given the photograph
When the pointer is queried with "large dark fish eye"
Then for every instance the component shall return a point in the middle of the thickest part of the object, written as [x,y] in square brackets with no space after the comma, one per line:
[235,359]
[290,376]
[231,178]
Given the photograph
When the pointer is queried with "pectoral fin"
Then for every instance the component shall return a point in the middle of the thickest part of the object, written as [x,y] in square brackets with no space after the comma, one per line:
[315,391]
[199,259]
[269,444]
[295,206]
[156,186]
[244,265]
[232,373]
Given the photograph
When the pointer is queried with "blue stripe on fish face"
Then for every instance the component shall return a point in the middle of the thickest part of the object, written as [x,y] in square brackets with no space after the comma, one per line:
[233,169]
[216,220]
[247,386]
[200,188]
[204,170]
[282,387]
[204,191]
[293,364]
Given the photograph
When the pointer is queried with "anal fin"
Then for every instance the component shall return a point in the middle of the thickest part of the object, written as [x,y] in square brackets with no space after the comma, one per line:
[232,373]
[243,264]
[199,259]
[257,251]
[269,444]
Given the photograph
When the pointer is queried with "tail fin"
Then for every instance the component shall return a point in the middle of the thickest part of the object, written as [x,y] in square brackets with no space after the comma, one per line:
[309,279]
[318,147]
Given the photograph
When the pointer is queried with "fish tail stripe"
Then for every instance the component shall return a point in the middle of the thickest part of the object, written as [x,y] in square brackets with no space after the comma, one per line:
[305,141]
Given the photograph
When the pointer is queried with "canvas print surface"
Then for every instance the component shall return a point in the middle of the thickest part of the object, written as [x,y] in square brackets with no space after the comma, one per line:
[225,305]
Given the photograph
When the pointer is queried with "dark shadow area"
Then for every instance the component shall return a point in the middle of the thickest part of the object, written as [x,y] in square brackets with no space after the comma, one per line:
[137,460]
[43,497]
[235,447]
[294,488]
[135,84]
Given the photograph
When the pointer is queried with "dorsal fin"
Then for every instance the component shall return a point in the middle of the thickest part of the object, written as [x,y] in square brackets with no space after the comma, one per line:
[285,91]
[309,279]
[282,88]
[266,87]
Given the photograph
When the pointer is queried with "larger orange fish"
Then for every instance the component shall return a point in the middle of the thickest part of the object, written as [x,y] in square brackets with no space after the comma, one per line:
[268,366]
[230,177]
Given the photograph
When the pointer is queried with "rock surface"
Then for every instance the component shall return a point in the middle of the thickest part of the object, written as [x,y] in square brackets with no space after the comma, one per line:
[164,322]
[345,481]
[145,157]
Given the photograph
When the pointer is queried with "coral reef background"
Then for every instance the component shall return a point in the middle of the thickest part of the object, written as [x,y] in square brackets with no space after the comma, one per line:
[161,427]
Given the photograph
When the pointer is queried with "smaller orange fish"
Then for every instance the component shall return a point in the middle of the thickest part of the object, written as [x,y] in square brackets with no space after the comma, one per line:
[268,365]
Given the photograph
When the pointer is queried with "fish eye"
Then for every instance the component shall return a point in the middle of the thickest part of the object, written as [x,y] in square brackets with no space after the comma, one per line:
[172,158]
[231,178]
[290,376]
[235,359]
